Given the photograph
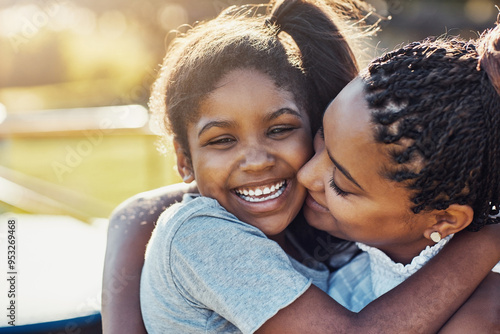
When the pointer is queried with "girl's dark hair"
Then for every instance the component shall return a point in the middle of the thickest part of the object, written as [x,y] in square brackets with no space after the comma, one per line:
[298,44]
[435,104]
[327,59]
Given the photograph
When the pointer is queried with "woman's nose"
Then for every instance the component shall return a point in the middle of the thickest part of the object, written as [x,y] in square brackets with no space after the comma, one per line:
[310,175]
[256,158]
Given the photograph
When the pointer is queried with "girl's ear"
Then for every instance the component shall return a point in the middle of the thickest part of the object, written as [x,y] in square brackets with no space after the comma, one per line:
[452,220]
[183,164]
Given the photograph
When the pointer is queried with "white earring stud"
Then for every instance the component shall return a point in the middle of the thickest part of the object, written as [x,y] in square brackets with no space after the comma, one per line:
[436,236]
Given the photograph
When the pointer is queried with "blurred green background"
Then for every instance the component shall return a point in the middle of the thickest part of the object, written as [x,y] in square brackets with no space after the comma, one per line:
[61,55]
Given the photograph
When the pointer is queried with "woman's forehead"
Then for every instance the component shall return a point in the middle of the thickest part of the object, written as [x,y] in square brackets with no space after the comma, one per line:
[348,110]
[349,136]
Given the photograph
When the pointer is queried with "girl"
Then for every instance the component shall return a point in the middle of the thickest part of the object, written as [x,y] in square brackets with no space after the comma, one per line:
[410,156]
[317,312]
[252,42]
[240,110]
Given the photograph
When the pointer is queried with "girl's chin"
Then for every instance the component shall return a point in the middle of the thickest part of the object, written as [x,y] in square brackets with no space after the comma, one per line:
[270,230]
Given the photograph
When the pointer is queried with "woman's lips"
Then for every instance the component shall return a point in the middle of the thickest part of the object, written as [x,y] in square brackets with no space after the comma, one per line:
[314,205]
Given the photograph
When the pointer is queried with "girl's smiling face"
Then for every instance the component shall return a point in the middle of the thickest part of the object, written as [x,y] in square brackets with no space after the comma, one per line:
[344,180]
[246,148]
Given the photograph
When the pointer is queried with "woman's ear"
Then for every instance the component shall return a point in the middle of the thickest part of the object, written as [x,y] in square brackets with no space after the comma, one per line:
[452,220]
[183,164]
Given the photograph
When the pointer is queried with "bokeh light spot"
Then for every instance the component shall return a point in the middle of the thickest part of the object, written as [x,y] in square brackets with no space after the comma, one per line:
[479,11]
[172,16]
[112,24]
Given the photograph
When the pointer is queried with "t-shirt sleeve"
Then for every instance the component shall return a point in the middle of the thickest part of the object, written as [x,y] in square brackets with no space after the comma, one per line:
[233,269]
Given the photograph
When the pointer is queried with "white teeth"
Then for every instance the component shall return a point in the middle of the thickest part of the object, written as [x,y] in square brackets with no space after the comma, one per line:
[256,195]
[263,199]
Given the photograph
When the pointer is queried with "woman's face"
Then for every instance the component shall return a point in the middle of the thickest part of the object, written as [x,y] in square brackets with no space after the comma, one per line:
[344,180]
[246,148]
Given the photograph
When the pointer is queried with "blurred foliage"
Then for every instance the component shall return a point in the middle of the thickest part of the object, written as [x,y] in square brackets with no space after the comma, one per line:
[413,20]
[106,53]
[109,171]
[58,54]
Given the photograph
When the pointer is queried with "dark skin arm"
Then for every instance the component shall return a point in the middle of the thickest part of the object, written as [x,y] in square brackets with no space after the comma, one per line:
[422,304]
[481,312]
[130,227]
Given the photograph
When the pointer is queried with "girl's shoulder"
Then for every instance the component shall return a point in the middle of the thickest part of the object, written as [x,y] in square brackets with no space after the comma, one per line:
[202,215]
[146,207]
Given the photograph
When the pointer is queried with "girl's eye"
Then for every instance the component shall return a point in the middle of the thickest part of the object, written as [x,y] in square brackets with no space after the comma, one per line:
[281,130]
[336,188]
[221,141]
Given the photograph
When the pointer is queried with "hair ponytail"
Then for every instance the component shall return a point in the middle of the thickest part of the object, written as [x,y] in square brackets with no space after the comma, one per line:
[489,56]
[329,65]
[327,58]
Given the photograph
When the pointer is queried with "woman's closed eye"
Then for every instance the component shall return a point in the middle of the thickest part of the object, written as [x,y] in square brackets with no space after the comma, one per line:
[337,189]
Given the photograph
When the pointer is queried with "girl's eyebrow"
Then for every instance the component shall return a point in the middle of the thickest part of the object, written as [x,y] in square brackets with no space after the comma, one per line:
[343,170]
[215,124]
[282,111]
[269,117]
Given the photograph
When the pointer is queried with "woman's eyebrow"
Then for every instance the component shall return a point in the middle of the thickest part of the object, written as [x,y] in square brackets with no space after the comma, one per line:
[343,170]
[282,111]
[215,124]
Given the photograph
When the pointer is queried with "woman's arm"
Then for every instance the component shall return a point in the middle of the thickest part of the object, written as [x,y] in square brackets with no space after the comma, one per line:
[130,227]
[481,312]
[422,304]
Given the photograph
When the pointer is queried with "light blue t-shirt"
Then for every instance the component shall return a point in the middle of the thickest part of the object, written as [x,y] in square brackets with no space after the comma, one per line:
[208,272]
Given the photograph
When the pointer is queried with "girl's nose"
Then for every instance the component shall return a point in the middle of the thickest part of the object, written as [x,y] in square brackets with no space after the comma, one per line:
[310,175]
[256,159]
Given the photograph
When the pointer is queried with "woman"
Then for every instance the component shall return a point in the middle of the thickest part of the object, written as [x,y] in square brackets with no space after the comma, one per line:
[409,157]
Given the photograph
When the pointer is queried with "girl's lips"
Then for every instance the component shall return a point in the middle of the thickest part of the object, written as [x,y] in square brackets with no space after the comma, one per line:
[263,203]
[261,193]
[311,202]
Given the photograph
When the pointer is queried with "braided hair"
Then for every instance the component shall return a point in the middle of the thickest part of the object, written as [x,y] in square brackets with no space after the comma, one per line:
[439,113]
